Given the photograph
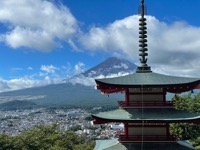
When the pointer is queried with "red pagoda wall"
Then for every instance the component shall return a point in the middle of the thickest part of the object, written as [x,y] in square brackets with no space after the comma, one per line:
[147,98]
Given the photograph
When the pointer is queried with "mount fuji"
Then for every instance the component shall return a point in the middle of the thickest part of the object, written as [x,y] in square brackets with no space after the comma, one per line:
[76,91]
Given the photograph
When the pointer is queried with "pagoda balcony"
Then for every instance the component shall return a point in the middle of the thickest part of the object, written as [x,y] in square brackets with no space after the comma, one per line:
[146,138]
[137,104]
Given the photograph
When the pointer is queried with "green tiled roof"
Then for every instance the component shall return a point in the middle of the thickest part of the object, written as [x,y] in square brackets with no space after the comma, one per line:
[148,78]
[114,144]
[148,114]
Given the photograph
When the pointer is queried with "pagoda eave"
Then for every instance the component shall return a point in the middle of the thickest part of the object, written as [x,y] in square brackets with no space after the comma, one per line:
[106,88]
[163,145]
[148,80]
[148,115]
[98,120]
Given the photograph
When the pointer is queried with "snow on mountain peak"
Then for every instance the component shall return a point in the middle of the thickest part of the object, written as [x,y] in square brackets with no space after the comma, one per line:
[111,67]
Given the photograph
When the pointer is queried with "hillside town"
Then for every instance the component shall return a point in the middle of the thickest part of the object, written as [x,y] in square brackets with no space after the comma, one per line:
[17,121]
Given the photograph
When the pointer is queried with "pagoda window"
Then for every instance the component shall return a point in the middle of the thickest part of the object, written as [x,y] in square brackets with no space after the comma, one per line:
[146,97]
[150,90]
[147,131]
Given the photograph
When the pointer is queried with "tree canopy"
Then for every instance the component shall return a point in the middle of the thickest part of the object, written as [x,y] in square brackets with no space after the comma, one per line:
[48,137]
[185,131]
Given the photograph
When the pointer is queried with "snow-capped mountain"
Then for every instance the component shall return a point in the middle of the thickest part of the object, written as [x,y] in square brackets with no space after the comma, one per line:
[111,66]
[77,90]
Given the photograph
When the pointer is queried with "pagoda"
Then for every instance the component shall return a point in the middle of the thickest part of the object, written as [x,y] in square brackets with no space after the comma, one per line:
[145,111]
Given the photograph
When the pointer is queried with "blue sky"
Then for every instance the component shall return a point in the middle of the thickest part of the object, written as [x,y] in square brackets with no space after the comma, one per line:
[43,42]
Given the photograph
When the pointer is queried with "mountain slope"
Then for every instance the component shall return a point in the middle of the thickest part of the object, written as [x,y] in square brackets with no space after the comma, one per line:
[17,104]
[71,93]
[64,94]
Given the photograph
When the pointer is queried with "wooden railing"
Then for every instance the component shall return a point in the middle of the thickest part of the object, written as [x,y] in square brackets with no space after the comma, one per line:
[146,138]
[144,104]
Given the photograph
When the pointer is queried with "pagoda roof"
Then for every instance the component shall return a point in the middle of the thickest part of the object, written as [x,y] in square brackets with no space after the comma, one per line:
[148,115]
[147,79]
[114,144]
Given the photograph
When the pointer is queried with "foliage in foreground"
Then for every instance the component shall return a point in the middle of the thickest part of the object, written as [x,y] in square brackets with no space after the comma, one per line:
[45,138]
[185,131]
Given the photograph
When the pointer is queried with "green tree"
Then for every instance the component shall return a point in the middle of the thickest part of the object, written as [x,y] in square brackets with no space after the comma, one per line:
[185,131]
[6,142]
[182,102]
[196,143]
[48,137]
[195,104]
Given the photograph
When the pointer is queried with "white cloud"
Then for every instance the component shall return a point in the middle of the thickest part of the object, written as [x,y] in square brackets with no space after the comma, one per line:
[79,68]
[92,73]
[30,68]
[4,85]
[120,35]
[81,79]
[49,69]
[37,24]
[26,82]
[174,48]
[90,81]
[48,74]
[122,65]
[23,37]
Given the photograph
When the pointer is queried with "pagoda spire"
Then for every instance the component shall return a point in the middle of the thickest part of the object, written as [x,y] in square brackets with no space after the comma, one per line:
[143,41]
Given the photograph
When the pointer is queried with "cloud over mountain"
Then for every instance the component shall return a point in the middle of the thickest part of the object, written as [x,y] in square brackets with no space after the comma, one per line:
[49,74]
[26,82]
[111,67]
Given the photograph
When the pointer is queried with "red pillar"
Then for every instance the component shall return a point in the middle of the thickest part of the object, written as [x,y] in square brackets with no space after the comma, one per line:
[167,130]
[127,97]
[164,97]
[126,130]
